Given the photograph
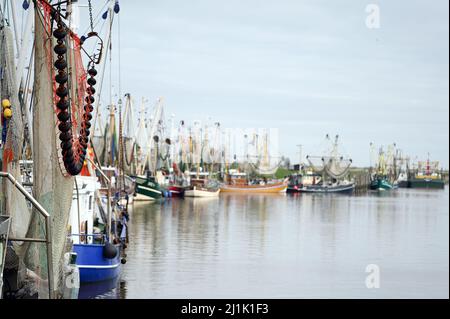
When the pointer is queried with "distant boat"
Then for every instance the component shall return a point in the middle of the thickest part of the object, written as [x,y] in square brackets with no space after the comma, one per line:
[294,183]
[329,188]
[333,169]
[200,187]
[403,181]
[238,183]
[176,191]
[298,182]
[382,179]
[427,176]
[196,191]
[381,183]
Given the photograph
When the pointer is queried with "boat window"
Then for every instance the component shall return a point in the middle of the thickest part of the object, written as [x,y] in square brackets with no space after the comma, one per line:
[90,202]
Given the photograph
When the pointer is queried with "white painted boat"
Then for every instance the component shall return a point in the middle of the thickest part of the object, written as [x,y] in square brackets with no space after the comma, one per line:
[201,192]
[143,198]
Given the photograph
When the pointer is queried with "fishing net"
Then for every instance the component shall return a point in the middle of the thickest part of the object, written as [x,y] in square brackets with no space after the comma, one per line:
[316,163]
[14,138]
[332,163]
[13,202]
[267,164]
[98,137]
[51,186]
[129,143]
[336,167]
[111,142]
[264,169]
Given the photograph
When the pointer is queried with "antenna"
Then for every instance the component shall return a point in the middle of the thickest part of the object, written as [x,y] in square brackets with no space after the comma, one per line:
[300,146]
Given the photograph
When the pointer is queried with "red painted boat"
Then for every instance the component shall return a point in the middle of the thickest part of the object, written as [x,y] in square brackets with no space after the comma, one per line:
[176,191]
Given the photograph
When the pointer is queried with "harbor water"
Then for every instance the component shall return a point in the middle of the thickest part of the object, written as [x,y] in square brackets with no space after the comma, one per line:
[287,246]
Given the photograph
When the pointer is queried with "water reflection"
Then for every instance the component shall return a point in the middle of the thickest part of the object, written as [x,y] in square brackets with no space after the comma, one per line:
[306,245]
[109,289]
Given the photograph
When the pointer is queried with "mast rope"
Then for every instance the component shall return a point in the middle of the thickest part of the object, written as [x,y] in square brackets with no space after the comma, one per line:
[90,16]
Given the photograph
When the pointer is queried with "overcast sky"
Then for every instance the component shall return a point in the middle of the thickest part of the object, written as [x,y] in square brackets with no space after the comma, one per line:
[306,67]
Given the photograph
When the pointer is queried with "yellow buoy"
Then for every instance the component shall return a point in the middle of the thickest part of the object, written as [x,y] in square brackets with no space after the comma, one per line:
[7,113]
[6,103]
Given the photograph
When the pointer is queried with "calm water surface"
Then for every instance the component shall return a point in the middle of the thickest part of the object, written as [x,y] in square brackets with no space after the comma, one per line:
[283,246]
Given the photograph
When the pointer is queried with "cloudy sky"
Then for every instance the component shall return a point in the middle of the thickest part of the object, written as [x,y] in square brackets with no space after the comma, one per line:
[307,68]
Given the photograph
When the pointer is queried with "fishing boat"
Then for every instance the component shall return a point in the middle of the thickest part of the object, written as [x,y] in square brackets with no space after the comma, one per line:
[176,191]
[97,258]
[403,181]
[331,187]
[98,262]
[333,168]
[401,166]
[201,186]
[152,181]
[294,183]
[381,183]
[200,191]
[147,189]
[383,178]
[299,181]
[238,182]
[177,183]
[427,175]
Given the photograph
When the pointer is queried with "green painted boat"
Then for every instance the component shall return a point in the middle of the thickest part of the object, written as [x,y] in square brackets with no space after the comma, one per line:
[381,183]
[147,189]
[436,183]
[427,175]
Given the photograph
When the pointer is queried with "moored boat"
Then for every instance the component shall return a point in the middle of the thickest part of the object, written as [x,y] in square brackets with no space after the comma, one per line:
[381,184]
[427,182]
[147,189]
[383,178]
[196,191]
[298,181]
[239,183]
[97,258]
[279,187]
[403,181]
[98,262]
[201,187]
[332,169]
[346,187]
[427,175]
[176,191]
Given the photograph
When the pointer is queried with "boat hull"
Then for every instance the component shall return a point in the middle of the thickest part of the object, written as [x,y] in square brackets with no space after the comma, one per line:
[293,189]
[201,193]
[427,183]
[93,266]
[147,190]
[404,184]
[328,189]
[251,189]
[176,191]
[381,185]
[140,197]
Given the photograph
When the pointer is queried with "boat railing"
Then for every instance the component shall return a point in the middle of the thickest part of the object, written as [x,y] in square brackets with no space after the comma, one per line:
[93,236]
[48,230]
